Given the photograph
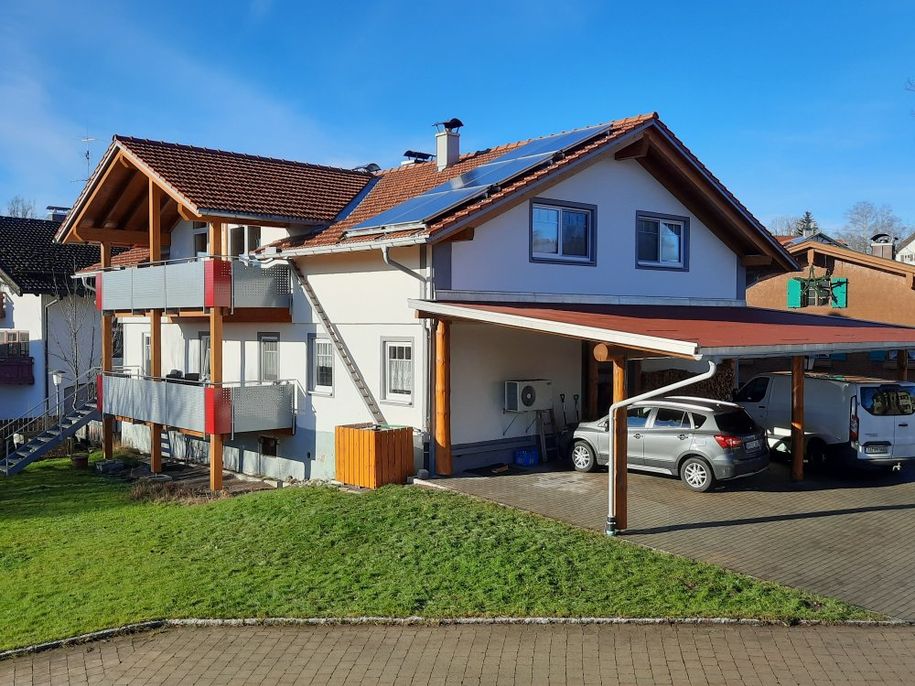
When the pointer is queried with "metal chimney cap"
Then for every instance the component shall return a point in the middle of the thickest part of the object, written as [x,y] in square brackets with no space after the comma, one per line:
[452,124]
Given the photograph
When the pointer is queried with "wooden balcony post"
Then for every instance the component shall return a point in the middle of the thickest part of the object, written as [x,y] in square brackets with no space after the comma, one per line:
[797,418]
[155,321]
[620,446]
[107,324]
[443,397]
[216,320]
[902,365]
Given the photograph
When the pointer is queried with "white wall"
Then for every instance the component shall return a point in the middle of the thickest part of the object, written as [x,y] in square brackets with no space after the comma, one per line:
[24,313]
[74,338]
[497,259]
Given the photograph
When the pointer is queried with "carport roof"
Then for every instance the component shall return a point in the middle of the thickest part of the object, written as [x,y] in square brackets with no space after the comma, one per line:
[685,330]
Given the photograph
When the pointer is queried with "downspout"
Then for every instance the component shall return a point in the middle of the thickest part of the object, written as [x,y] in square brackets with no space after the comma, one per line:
[46,344]
[611,529]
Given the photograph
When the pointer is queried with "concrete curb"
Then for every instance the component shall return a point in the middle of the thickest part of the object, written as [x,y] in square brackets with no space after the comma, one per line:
[152,625]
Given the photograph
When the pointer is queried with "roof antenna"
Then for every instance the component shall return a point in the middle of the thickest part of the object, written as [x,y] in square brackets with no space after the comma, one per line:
[87,139]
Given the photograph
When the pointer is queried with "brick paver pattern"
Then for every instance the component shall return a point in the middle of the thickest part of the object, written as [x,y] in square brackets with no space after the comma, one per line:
[488,654]
[850,539]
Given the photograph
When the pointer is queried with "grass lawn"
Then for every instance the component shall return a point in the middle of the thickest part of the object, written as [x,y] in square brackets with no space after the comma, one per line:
[77,554]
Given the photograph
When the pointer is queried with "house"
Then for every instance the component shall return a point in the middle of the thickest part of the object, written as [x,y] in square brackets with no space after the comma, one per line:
[265,302]
[48,322]
[837,281]
[905,249]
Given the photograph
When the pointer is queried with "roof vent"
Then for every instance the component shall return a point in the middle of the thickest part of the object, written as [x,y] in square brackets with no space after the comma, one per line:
[413,156]
[371,168]
[447,142]
[57,213]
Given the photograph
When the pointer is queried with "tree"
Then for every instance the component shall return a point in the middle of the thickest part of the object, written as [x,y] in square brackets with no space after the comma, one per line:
[806,225]
[865,219]
[18,206]
[782,225]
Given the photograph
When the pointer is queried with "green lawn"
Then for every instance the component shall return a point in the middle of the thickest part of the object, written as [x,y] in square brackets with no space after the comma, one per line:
[77,554]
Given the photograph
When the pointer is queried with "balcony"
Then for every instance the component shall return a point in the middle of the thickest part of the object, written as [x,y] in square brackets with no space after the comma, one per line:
[16,371]
[194,285]
[200,407]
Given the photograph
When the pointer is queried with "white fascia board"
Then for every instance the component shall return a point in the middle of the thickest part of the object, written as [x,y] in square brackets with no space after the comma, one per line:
[350,247]
[620,338]
[788,349]
[584,298]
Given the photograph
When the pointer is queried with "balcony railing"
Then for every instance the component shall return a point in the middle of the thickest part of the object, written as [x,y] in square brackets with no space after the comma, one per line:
[194,285]
[199,406]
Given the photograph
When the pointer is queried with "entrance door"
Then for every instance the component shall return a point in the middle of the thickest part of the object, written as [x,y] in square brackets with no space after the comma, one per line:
[665,440]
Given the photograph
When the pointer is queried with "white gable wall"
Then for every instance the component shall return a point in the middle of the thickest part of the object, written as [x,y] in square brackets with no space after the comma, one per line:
[497,259]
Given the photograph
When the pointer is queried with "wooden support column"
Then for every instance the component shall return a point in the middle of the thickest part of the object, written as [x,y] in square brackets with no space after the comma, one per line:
[216,319]
[797,418]
[902,365]
[155,321]
[620,445]
[107,361]
[443,397]
[591,391]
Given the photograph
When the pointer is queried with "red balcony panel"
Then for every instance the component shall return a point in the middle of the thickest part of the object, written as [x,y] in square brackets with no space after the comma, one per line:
[17,371]
[217,283]
[217,410]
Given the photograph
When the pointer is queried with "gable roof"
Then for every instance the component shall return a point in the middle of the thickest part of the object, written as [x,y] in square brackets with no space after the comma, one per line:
[817,236]
[854,257]
[905,242]
[33,263]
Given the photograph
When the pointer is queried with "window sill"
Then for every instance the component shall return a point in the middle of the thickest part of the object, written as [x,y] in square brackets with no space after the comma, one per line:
[679,267]
[322,392]
[398,401]
[580,261]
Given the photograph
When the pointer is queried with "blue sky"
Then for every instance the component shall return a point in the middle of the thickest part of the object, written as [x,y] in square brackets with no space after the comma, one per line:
[793,105]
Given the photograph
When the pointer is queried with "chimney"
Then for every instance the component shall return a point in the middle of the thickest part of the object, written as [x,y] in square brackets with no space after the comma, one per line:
[883,245]
[56,213]
[447,143]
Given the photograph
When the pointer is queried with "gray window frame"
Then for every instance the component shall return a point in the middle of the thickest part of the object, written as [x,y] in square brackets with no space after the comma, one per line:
[312,353]
[684,242]
[540,258]
[403,340]
[261,337]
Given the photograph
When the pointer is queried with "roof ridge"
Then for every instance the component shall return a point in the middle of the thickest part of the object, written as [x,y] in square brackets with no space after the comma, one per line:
[218,151]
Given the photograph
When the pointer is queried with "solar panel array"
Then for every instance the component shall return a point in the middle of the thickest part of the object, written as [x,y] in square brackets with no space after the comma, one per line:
[476,182]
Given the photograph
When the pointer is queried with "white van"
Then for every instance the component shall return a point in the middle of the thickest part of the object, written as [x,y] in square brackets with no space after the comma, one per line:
[859,420]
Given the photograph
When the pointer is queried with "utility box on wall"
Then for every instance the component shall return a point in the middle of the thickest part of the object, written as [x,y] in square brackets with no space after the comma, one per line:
[372,455]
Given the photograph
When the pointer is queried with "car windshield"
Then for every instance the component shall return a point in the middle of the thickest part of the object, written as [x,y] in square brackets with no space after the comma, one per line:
[888,400]
[735,422]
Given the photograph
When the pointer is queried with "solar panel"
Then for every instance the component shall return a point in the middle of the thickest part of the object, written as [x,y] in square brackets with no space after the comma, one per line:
[476,182]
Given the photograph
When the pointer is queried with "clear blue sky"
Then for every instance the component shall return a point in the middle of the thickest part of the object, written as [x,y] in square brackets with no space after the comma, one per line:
[794,105]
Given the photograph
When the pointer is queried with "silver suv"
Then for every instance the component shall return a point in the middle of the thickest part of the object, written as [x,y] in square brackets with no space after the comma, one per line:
[700,440]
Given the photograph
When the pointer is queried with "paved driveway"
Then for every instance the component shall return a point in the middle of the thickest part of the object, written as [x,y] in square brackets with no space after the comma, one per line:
[553,654]
[850,539]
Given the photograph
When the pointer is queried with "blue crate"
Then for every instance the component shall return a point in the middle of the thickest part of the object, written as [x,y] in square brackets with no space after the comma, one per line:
[527,457]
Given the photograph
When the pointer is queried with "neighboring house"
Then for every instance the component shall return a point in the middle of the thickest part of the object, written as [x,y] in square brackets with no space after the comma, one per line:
[835,280]
[47,320]
[905,249]
[299,297]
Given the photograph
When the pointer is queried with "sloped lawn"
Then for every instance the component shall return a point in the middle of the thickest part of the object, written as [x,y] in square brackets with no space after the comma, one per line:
[77,554]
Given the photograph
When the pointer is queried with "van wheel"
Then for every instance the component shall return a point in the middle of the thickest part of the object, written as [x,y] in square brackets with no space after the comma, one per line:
[817,459]
[583,458]
[697,475]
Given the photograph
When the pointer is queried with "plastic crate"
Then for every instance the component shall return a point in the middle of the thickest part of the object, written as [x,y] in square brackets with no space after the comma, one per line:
[526,457]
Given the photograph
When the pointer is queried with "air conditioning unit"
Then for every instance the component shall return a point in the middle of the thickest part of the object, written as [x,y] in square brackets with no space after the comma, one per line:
[528,395]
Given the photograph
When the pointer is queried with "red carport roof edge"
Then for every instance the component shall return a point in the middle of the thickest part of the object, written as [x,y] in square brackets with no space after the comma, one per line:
[686,330]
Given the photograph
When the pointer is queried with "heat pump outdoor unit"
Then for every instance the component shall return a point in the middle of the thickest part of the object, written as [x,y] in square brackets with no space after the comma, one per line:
[528,395]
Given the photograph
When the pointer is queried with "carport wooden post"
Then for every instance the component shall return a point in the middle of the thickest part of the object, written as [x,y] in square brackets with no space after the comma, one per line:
[443,397]
[797,418]
[902,365]
[620,444]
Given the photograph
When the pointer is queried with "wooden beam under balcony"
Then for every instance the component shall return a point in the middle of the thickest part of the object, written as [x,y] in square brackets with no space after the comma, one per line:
[120,237]
[250,315]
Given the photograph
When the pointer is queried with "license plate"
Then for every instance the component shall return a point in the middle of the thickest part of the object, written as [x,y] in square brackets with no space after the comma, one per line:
[752,445]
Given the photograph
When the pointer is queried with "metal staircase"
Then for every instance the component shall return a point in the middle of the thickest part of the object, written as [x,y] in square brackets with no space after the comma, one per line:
[367,397]
[46,431]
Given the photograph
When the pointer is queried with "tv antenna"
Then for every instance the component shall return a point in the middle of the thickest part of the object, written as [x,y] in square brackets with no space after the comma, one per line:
[87,139]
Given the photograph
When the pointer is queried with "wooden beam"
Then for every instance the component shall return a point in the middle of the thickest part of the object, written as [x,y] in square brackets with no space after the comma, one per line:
[443,397]
[186,214]
[107,324]
[216,321]
[155,321]
[120,237]
[756,260]
[465,235]
[81,210]
[902,365]
[634,150]
[242,315]
[797,417]
[620,447]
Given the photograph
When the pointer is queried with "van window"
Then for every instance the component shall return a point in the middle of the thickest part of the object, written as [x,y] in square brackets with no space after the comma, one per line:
[736,423]
[889,400]
[753,391]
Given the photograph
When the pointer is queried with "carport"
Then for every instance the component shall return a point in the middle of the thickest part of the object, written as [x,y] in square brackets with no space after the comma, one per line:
[623,332]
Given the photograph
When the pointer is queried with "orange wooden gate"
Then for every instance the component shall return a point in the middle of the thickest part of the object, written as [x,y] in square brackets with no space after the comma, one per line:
[372,455]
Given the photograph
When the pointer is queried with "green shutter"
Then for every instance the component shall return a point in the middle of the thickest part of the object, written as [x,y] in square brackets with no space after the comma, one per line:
[839,292]
[795,288]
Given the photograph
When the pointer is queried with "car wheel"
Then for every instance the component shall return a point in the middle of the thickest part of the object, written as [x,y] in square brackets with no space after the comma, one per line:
[583,458]
[696,474]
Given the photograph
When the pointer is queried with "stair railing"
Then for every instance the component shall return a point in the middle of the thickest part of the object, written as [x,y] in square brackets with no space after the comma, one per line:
[83,392]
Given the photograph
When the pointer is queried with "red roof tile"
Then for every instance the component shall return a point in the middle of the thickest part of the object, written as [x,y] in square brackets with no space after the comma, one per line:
[126,258]
[226,183]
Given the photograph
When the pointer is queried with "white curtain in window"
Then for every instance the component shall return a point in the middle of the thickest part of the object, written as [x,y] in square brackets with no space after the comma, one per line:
[400,369]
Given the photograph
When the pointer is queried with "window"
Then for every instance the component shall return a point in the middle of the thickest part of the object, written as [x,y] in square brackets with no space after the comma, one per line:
[736,422]
[637,417]
[270,356]
[146,359]
[753,391]
[818,291]
[398,371]
[268,446]
[889,400]
[201,244]
[203,355]
[667,418]
[253,238]
[562,233]
[14,344]
[244,239]
[322,365]
[661,241]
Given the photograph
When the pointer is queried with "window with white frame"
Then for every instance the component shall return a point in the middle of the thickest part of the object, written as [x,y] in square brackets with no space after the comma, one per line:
[661,241]
[201,243]
[244,239]
[14,344]
[269,356]
[322,365]
[561,233]
[398,371]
